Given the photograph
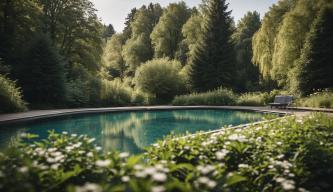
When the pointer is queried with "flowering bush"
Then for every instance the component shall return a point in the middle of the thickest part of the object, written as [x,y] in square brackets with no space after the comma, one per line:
[320,99]
[282,155]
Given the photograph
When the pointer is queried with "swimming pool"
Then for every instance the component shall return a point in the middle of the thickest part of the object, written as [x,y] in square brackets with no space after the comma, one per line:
[131,131]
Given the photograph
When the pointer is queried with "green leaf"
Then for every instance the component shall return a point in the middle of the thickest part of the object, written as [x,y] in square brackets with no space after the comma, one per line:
[234,179]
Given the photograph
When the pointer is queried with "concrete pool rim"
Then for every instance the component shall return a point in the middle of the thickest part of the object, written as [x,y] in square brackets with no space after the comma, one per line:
[9,119]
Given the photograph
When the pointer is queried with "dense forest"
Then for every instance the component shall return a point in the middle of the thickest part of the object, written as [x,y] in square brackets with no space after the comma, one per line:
[59,54]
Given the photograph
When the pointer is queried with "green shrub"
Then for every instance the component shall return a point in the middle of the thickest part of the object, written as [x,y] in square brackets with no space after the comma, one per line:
[161,78]
[323,99]
[10,96]
[282,155]
[115,93]
[253,99]
[217,97]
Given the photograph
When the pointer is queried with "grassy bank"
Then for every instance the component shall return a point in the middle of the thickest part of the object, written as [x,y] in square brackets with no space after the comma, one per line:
[286,155]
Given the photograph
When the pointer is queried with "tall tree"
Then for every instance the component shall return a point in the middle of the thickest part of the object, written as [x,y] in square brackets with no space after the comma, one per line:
[315,69]
[138,48]
[291,37]
[19,21]
[127,31]
[247,73]
[212,64]
[42,76]
[75,29]
[166,36]
[108,32]
[113,62]
[192,31]
[264,39]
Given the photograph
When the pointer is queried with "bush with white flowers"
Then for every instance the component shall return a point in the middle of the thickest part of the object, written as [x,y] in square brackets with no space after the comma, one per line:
[284,155]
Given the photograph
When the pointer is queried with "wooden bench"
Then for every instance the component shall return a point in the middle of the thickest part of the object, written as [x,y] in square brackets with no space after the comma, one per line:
[282,101]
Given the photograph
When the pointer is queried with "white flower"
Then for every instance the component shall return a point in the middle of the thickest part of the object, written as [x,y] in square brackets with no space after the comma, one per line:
[55,166]
[123,155]
[140,174]
[186,147]
[203,180]
[205,169]
[125,178]
[159,177]
[157,189]
[81,152]
[90,154]
[50,150]
[236,137]
[211,184]
[98,148]
[221,154]
[77,145]
[138,167]
[89,187]
[103,163]
[65,132]
[56,154]
[69,148]
[279,143]
[243,166]
[91,140]
[23,169]
[74,135]
[150,170]
[288,185]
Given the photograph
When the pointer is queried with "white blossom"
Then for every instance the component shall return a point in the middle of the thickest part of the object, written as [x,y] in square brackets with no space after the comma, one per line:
[159,177]
[89,187]
[125,178]
[158,189]
[123,155]
[103,163]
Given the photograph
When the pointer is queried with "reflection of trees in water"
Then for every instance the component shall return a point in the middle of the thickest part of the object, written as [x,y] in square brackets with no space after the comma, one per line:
[118,129]
[217,117]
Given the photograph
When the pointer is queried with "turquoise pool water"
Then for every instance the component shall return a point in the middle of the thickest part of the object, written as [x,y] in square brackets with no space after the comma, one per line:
[131,131]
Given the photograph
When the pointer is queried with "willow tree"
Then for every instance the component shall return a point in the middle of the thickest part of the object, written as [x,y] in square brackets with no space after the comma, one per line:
[167,34]
[212,64]
[264,40]
[138,48]
[291,37]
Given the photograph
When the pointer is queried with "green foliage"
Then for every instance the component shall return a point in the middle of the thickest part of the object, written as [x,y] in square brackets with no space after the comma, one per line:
[321,99]
[10,96]
[166,36]
[160,77]
[212,64]
[264,39]
[112,59]
[282,155]
[192,31]
[219,96]
[253,99]
[115,93]
[42,75]
[138,48]
[314,69]
[247,72]
[108,32]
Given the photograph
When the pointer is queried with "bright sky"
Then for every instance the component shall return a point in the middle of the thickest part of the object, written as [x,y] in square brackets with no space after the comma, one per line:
[115,11]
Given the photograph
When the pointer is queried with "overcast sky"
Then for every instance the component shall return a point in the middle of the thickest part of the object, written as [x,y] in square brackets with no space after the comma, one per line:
[115,11]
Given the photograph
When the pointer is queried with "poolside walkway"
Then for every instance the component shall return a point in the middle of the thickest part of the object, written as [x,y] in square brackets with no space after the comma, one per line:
[39,114]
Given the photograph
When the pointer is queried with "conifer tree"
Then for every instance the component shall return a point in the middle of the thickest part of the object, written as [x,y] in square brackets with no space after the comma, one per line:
[42,75]
[315,68]
[212,64]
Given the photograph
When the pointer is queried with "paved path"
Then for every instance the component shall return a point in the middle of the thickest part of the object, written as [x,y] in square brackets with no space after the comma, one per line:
[39,114]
